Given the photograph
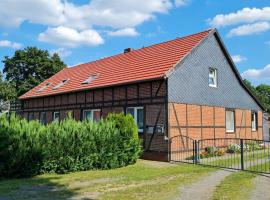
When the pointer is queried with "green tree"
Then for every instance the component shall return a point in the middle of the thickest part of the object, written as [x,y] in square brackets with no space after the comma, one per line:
[29,67]
[7,91]
[262,92]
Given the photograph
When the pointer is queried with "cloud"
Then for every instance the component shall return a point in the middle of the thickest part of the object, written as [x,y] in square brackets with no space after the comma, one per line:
[238,58]
[268,43]
[9,44]
[113,13]
[130,32]
[256,74]
[249,29]
[181,2]
[246,15]
[62,52]
[69,37]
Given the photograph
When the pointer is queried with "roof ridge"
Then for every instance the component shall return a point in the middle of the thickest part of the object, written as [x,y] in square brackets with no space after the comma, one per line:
[145,47]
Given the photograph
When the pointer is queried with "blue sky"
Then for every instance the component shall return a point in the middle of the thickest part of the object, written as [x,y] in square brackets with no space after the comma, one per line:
[83,30]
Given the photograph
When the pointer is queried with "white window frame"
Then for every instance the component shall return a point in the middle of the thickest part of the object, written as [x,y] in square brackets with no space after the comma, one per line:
[54,118]
[136,115]
[226,118]
[254,123]
[92,113]
[214,76]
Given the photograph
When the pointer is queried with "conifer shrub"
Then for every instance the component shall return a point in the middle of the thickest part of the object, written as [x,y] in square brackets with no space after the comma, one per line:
[30,148]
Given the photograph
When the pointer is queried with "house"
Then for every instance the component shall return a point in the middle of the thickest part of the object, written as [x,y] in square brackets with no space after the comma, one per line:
[188,86]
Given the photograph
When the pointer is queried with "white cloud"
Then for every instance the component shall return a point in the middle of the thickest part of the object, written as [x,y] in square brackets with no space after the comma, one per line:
[130,32]
[69,37]
[181,2]
[249,29]
[268,43]
[62,52]
[246,15]
[238,58]
[83,19]
[9,44]
[113,13]
[256,74]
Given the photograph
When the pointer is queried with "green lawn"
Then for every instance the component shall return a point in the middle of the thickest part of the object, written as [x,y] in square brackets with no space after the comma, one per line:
[144,180]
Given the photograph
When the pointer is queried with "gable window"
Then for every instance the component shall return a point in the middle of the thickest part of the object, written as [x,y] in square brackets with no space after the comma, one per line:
[42,117]
[212,77]
[254,119]
[92,114]
[30,116]
[90,79]
[63,82]
[138,115]
[230,121]
[44,87]
[56,116]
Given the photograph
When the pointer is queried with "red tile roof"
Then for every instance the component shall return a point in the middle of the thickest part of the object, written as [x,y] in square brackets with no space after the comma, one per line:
[147,63]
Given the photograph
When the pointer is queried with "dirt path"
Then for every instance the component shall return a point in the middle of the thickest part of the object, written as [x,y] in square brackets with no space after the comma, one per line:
[205,187]
[262,188]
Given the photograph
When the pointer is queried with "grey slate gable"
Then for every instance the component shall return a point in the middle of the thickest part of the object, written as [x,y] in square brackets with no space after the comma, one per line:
[188,82]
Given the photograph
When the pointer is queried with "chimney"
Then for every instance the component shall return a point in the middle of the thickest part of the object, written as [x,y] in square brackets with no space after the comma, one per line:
[127,50]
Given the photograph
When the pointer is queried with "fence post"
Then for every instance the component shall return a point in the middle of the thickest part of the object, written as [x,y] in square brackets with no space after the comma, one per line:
[242,154]
[196,151]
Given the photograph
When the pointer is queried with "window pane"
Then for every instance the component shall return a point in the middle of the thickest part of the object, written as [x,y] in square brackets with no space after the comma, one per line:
[96,115]
[253,121]
[229,121]
[140,119]
[56,116]
[87,115]
[130,111]
[212,77]
[42,118]
[30,116]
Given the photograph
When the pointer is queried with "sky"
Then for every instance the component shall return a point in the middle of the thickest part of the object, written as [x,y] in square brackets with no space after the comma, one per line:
[82,30]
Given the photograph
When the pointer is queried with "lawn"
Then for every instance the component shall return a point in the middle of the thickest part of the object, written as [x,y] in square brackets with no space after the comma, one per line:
[144,180]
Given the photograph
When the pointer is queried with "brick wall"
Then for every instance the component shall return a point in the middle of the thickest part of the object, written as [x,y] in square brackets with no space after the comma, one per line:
[206,122]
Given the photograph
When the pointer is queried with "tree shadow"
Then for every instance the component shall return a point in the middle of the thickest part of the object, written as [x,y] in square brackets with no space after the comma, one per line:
[42,188]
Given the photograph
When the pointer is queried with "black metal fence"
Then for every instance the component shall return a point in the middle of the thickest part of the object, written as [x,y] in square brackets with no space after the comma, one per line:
[233,153]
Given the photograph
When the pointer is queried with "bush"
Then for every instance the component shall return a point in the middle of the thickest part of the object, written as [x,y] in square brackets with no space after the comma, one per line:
[29,148]
[233,148]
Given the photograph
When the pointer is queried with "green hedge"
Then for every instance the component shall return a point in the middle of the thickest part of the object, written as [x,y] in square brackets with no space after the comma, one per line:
[30,148]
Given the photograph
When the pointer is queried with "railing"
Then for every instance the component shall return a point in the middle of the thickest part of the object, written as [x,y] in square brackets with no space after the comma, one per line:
[233,153]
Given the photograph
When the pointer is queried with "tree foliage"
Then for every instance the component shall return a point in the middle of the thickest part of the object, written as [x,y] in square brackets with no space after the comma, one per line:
[262,92]
[29,67]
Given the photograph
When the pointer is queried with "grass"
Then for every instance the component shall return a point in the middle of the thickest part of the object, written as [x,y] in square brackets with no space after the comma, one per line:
[238,185]
[235,187]
[144,180]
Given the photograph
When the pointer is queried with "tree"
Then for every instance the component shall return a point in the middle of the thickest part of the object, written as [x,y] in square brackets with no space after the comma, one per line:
[262,92]
[29,67]
[7,93]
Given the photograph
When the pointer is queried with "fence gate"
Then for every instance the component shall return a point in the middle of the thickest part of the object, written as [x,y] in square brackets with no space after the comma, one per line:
[232,153]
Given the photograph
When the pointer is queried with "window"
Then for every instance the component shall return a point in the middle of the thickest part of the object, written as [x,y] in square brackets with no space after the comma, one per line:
[30,116]
[44,87]
[212,77]
[56,116]
[42,118]
[230,121]
[63,82]
[254,119]
[92,114]
[89,79]
[138,115]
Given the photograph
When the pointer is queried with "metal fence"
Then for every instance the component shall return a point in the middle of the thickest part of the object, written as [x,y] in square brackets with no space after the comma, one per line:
[233,153]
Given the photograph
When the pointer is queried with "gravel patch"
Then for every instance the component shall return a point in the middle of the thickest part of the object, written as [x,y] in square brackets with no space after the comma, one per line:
[261,189]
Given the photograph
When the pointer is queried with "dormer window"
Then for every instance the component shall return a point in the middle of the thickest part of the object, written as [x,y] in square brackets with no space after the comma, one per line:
[212,77]
[90,79]
[63,82]
[44,87]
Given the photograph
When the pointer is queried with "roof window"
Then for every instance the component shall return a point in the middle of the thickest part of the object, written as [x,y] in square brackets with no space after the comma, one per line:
[44,87]
[90,79]
[63,82]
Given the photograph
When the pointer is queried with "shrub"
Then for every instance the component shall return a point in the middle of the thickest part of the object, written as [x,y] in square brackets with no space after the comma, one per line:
[233,148]
[29,148]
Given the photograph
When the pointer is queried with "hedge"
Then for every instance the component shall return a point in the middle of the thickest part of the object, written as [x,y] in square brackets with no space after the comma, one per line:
[30,148]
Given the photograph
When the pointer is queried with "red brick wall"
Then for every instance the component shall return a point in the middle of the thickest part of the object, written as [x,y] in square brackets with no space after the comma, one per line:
[206,122]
